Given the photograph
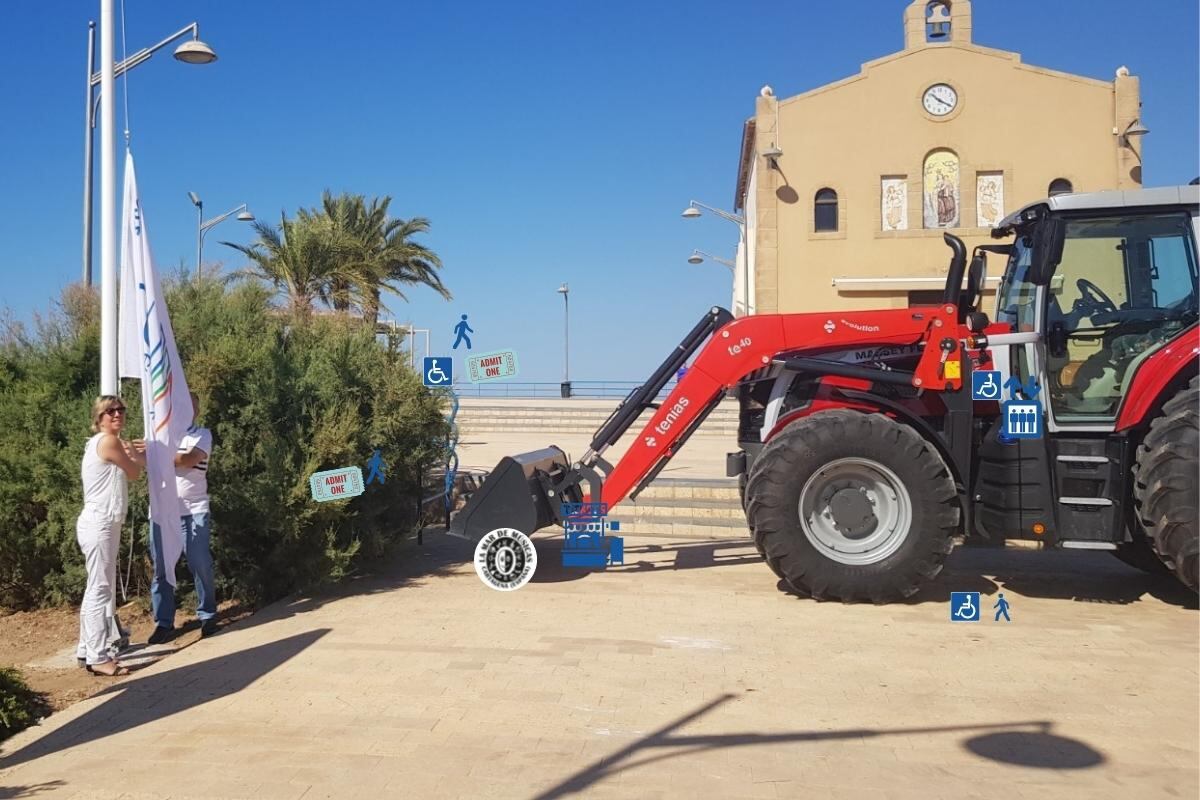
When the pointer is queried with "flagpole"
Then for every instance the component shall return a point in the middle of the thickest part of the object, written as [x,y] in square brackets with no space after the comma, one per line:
[108,203]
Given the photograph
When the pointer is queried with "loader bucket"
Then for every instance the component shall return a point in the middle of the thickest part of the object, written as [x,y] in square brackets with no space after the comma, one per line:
[512,496]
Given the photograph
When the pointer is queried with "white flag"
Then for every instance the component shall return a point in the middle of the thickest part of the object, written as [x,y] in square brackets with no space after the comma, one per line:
[147,352]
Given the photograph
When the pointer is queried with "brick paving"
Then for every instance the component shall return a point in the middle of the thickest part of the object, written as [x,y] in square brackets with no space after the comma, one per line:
[686,673]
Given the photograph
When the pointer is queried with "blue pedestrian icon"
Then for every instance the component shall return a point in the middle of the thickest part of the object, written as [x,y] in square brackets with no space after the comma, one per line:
[375,468]
[1022,419]
[964,606]
[462,329]
[1002,605]
[438,371]
[985,385]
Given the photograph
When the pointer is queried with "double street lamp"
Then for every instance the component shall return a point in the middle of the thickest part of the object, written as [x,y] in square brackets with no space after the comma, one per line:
[203,227]
[193,51]
[693,212]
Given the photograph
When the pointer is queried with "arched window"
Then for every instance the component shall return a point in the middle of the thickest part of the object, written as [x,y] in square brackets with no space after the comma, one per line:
[1060,186]
[940,185]
[825,210]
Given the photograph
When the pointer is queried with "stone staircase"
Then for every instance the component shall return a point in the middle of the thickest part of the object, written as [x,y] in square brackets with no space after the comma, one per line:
[488,415]
[693,503]
[685,508]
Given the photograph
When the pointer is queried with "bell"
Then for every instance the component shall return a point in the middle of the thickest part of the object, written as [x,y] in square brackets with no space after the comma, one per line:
[938,21]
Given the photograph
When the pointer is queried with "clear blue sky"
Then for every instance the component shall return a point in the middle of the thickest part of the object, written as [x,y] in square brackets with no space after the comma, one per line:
[547,141]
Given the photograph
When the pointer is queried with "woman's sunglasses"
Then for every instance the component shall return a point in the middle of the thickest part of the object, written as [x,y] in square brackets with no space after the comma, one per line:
[112,412]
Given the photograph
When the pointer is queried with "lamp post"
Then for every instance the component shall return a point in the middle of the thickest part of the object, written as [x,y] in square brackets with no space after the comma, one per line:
[203,227]
[564,290]
[693,211]
[698,256]
[193,52]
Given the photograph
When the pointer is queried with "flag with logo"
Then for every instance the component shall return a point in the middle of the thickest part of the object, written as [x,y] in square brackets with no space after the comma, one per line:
[147,352]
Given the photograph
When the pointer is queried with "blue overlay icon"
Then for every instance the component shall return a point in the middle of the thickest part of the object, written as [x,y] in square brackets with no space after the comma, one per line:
[1002,605]
[585,544]
[1022,419]
[438,371]
[964,606]
[375,468]
[462,329]
[985,385]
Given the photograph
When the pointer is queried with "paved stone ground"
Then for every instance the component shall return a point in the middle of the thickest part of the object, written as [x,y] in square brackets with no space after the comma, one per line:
[686,673]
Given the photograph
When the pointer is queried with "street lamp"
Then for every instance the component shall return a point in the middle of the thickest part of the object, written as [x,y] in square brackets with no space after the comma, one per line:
[693,211]
[564,290]
[1134,128]
[698,256]
[190,52]
[203,227]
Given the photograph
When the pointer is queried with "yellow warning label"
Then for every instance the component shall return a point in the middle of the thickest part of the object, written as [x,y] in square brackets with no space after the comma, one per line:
[954,369]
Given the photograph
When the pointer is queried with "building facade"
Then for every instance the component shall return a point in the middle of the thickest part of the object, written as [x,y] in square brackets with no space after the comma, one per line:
[847,189]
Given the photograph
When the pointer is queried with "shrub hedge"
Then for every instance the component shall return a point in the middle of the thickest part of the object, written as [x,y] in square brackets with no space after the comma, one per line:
[20,706]
[284,397]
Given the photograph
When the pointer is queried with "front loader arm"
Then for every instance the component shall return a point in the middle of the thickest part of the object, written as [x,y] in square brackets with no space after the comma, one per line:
[750,343]
[529,490]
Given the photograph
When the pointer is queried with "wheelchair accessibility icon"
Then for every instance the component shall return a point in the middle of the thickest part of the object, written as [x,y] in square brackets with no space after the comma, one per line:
[985,385]
[438,371]
[964,606]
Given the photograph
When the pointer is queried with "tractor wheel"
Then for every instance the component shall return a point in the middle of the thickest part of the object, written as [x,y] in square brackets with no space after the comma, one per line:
[774,565]
[852,507]
[1167,483]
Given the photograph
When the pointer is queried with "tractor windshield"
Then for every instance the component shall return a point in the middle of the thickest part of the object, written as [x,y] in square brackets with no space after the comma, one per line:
[1016,298]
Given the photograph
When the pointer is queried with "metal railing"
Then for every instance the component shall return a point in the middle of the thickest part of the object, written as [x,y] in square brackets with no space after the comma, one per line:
[588,390]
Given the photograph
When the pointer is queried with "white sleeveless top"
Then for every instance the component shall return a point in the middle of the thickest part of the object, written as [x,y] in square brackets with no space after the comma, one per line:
[105,491]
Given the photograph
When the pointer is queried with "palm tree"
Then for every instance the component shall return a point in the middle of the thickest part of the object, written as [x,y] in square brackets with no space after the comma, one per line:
[301,258]
[378,249]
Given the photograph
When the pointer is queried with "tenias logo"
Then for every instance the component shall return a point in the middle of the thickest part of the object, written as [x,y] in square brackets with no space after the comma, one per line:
[158,366]
[672,416]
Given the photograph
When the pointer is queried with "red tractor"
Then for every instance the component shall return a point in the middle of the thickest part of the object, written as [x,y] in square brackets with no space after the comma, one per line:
[862,451]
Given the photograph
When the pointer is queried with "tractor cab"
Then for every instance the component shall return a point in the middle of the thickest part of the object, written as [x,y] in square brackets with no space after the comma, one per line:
[1104,280]
[1098,305]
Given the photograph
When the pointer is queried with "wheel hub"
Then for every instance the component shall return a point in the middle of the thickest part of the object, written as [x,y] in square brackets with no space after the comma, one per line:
[855,511]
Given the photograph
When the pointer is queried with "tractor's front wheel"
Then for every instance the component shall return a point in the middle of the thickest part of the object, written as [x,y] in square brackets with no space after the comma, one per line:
[1168,483]
[853,507]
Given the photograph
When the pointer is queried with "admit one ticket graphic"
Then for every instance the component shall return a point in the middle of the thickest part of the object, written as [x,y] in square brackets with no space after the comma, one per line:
[336,484]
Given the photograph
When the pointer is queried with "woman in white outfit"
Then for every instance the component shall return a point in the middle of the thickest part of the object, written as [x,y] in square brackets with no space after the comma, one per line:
[107,462]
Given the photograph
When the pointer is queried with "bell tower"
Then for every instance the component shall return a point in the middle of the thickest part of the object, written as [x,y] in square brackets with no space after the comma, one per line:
[932,22]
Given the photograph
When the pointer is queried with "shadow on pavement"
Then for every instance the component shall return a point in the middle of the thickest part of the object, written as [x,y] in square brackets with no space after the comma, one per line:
[1085,577]
[1003,742]
[7,792]
[687,555]
[137,701]
[408,566]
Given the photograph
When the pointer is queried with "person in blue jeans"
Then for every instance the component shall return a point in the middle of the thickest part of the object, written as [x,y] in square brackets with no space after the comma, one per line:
[191,483]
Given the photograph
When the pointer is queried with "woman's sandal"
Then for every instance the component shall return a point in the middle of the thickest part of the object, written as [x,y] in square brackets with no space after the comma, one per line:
[119,670]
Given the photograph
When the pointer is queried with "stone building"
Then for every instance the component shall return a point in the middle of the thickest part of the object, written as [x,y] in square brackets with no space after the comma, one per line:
[846,189]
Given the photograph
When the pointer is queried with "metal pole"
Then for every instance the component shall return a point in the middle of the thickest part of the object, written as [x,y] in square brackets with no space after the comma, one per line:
[87,160]
[566,338]
[745,259]
[108,207]
[199,235]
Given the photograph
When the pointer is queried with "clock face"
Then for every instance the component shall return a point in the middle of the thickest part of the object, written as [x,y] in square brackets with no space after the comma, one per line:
[940,99]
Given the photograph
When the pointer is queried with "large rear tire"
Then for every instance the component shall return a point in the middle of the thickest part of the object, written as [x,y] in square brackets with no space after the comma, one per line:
[1167,483]
[853,507]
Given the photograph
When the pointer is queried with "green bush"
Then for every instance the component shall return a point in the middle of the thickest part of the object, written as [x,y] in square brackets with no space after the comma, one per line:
[284,397]
[20,706]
